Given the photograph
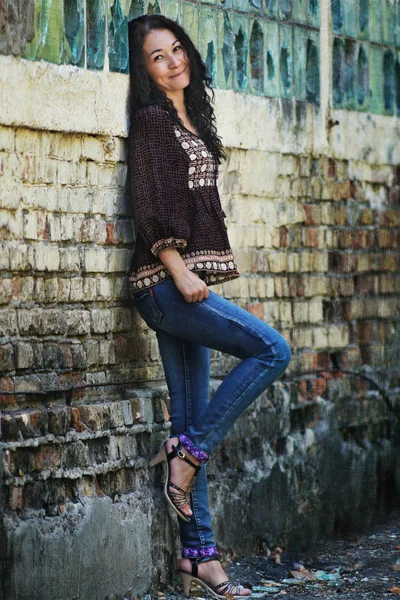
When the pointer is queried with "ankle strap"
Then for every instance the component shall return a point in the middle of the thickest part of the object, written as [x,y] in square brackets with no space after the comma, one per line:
[179,451]
[195,569]
[208,559]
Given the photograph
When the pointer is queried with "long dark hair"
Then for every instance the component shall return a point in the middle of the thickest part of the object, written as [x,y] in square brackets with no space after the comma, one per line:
[143,91]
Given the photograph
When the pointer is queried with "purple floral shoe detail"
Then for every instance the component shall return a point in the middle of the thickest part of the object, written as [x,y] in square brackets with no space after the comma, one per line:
[200,552]
[200,455]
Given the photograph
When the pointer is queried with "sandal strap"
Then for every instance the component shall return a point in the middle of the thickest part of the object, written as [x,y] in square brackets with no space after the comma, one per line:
[222,589]
[178,451]
[195,568]
[180,498]
[224,586]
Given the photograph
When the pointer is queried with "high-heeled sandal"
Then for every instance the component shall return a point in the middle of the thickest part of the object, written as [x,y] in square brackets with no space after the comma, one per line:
[179,497]
[220,591]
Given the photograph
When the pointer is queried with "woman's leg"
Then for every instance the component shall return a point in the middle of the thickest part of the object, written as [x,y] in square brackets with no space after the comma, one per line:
[187,372]
[217,323]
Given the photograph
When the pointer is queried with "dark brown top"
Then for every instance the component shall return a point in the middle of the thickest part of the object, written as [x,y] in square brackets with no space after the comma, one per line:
[173,181]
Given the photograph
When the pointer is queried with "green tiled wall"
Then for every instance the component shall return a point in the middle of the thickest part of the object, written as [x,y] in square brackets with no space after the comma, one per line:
[263,47]
[366,67]
[252,46]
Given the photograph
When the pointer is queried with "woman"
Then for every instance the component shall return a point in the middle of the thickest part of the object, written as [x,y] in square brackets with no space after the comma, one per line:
[182,249]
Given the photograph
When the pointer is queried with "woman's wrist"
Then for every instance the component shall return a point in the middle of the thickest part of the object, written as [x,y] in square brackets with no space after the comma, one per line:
[173,261]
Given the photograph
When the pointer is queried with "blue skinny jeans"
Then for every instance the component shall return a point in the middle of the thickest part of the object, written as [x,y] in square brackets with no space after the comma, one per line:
[185,333]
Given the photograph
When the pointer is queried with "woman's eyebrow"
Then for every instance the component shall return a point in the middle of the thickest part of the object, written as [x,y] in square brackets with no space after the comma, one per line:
[160,49]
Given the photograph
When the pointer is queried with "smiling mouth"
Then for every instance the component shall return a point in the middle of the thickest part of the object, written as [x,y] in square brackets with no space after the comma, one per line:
[178,75]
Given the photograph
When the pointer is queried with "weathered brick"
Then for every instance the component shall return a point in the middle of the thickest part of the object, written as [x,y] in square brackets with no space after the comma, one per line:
[6,291]
[95,260]
[92,149]
[105,288]
[106,352]
[116,414]
[89,289]
[51,356]
[24,355]
[21,257]
[51,289]
[101,320]
[78,355]
[119,260]
[64,289]
[126,408]
[76,290]
[96,416]
[319,337]
[77,322]
[16,497]
[92,352]
[8,322]
[4,257]
[7,384]
[142,410]
[121,319]
[30,226]
[58,420]
[46,457]
[6,358]
[76,421]
[46,258]
[277,262]
[53,322]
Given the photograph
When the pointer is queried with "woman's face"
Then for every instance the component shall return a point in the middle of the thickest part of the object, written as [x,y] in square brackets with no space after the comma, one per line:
[166,61]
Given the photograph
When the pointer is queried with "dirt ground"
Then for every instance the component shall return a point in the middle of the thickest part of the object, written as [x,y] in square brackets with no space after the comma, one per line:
[358,567]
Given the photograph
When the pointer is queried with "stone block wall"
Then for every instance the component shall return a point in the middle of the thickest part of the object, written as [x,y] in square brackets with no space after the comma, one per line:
[311,189]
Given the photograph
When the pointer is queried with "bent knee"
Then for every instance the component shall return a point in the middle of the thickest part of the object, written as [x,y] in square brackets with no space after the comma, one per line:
[284,353]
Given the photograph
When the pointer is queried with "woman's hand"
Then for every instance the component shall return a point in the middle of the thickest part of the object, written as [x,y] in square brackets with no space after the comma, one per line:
[192,288]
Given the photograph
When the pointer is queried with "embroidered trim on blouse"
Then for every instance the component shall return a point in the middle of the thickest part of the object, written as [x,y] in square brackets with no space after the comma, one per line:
[167,243]
[202,162]
[219,267]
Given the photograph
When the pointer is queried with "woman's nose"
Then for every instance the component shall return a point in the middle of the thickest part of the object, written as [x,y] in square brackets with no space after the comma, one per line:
[174,61]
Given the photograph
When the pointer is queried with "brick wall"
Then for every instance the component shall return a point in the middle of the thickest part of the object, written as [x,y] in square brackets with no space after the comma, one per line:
[312,195]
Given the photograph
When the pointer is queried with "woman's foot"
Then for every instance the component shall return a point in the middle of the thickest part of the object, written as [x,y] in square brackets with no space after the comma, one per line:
[212,572]
[181,474]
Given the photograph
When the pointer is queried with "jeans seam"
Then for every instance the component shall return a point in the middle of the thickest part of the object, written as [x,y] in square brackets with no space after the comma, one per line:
[238,398]
[232,320]
[187,389]
[188,423]
[198,523]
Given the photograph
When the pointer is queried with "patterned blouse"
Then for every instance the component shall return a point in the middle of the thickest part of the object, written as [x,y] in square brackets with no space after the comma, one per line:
[173,181]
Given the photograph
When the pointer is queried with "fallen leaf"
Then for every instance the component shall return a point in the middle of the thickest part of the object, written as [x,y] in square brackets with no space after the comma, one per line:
[396,567]
[395,590]
[303,574]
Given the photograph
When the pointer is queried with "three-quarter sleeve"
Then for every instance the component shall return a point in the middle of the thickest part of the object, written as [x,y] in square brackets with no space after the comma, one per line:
[158,181]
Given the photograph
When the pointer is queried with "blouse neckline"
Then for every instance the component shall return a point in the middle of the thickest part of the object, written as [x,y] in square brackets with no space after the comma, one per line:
[191,133]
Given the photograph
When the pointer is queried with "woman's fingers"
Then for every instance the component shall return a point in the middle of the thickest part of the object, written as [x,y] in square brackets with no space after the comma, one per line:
[191,286]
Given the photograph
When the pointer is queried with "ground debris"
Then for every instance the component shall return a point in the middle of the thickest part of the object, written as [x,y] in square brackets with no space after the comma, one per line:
[358,567]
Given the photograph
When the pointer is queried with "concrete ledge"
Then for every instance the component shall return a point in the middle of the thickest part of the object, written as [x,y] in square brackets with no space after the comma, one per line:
[41,95]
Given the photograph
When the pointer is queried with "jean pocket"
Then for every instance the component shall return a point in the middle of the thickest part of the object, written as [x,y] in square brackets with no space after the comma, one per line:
[147,308]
